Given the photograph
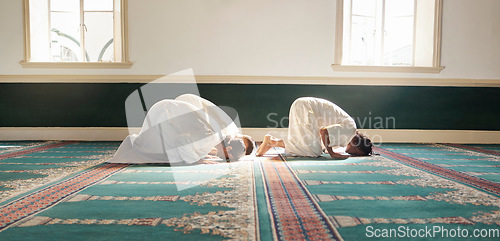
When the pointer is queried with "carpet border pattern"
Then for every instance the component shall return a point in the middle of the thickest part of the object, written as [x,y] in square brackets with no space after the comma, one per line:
[293,211]
[474,181]
[476,149]
[40,200]
[34,149]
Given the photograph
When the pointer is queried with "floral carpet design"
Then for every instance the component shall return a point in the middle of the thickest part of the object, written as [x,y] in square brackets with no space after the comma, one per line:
[408,185]
[60,190]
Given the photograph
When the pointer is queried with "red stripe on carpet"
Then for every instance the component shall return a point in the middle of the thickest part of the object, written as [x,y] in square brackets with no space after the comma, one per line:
[472,148]
[49,196]
[480,183]
[294,212]
[36,149]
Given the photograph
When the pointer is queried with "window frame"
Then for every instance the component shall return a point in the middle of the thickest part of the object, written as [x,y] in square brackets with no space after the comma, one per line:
[123,64]
[339,34]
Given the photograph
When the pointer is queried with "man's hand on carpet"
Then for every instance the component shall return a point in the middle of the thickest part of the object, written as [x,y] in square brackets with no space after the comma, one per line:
[209,160]
[338,156]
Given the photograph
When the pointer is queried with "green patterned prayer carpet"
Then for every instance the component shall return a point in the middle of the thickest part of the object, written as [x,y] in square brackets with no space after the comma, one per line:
[417,191]
[26,165]
[82,198]
[65,191]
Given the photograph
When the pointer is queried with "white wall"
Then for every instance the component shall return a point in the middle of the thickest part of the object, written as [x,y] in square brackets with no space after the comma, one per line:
[263,38]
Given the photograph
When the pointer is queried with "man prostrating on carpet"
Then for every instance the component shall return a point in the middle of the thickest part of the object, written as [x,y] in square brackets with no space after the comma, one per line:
[184,131]
[315,123]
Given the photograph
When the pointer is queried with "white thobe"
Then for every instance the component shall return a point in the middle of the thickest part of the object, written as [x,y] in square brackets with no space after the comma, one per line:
[307,116]
[213,113]
[176,131]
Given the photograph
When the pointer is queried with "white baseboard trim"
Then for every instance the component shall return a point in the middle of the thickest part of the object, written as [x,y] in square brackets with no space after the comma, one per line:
[377,135]
[247,79]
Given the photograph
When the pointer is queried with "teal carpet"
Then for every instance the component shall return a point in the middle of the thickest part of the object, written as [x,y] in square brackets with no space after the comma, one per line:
[25,165]
[100,201]
[380,198]
[65,191]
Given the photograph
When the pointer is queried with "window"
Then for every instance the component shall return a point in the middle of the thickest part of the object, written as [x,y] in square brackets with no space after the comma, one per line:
[75,33]
[388,35]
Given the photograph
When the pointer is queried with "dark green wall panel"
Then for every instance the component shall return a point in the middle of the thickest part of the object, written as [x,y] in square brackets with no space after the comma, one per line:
[102,105]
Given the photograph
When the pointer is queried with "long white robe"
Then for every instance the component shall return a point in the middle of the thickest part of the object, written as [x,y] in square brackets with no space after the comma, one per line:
[180,131]
[213,114]
[307,116]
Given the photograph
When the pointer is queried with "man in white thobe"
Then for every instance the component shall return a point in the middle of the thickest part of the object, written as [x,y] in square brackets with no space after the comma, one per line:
[180,131]
[315,123]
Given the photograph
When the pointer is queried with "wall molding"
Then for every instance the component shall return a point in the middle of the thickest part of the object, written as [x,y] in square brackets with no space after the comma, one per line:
[395,69]
[77,65]
[240,79]
[377,135]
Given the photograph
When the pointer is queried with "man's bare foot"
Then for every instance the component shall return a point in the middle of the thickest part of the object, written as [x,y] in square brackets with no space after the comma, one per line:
[264,146]
[275,142]
[268,143]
